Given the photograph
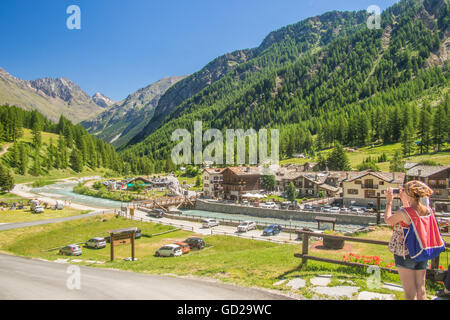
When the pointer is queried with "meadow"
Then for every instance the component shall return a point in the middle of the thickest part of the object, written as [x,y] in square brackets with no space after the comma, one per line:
[229,259]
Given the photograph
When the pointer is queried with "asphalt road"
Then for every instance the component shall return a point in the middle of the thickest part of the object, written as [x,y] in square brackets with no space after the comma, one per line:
[29,279]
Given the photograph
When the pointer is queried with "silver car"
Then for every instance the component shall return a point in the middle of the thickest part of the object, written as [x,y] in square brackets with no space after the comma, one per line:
[71,250]
[169,250]
[209,223]
[96,243]
[246,226]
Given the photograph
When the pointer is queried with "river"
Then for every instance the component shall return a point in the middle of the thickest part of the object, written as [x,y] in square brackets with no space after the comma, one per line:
[64,191]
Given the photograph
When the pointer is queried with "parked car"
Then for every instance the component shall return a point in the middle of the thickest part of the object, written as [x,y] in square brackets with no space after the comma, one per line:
[209,223]
[246,226]
[138,234]
[269,205]
[245,203]
[256,204]
[272,230]
[71,250]
[335,210]
[293,206]
[59,205]
[307,207]
[185,248]
[357,210]
[195,243]
[326,208]
[156,213]
[344,210]
[285,205]
[96,243]
[38,209]
[169,250]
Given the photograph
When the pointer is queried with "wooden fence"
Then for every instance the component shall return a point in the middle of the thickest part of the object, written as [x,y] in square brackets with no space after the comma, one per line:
[434,273]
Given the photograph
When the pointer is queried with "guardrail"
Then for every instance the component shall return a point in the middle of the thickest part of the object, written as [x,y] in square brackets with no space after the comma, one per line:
[434,273]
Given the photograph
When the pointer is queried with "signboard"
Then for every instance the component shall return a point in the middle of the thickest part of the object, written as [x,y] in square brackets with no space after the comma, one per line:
[122,237]
[121,242]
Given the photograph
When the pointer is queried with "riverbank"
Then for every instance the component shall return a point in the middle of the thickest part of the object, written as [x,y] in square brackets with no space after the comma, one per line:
[25,191]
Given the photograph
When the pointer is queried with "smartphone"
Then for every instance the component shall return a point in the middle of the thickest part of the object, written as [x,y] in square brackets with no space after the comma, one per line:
[396,191]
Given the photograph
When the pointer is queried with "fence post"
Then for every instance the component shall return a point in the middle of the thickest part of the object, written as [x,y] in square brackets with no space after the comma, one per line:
[305,246]
[435,263]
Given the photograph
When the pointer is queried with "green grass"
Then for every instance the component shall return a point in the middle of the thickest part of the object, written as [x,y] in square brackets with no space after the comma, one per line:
[356,158]
[230,259]
[13,216]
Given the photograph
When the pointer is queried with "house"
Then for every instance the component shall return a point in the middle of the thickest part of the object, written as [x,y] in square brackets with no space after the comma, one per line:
[212,182]
[311,184]
[437,178]
[361,188]
[240,180]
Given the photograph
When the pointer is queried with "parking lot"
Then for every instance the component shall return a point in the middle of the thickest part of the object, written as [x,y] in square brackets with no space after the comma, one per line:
[197,227]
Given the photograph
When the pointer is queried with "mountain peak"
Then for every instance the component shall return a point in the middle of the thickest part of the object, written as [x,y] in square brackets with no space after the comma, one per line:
[101,100]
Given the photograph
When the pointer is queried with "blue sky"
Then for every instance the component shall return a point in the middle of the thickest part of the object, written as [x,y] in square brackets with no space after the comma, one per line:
[126,45]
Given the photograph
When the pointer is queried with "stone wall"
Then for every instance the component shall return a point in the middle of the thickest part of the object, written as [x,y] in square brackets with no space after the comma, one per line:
[283,214]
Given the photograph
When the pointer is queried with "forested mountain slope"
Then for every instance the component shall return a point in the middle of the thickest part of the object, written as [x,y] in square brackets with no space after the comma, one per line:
[226,75]
[353,88]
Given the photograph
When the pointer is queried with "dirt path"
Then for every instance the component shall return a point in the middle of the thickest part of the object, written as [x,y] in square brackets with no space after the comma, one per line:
[5,149]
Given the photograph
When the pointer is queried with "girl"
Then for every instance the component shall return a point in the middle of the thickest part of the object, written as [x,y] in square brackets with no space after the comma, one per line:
[414,195]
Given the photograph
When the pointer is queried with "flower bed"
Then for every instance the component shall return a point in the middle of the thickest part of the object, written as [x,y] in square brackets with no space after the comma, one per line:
[369,260]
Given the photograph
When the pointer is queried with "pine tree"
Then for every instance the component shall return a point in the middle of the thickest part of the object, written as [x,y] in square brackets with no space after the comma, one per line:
[396,164]
[440,129]
[23,158]
[36,169]
[408,140]
[37,137]
[338,160]
[291,192]
[62,153]
[76,161]
[6,180]
[424,129]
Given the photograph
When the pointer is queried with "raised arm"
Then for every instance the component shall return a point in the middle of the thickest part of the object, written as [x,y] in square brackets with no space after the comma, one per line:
[397,217]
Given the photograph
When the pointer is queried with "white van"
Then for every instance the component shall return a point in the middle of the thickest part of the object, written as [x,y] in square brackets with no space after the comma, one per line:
[59,205]
[209,223]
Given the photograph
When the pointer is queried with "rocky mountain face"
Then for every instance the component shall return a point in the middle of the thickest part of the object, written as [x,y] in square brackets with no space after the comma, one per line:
[191,85]
[124,119]
[102,100]
[51,97]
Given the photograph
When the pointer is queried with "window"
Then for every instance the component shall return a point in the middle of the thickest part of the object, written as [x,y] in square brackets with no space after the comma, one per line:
[381,183]
[352,191]
[358,182]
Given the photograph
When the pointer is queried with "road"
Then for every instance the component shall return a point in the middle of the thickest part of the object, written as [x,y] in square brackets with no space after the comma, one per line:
[27,279]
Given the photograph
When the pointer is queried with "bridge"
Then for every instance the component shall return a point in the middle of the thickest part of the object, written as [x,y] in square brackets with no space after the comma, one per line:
[166,203]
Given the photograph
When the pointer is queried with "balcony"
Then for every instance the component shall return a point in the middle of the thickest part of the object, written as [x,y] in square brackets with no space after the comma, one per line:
[369,186]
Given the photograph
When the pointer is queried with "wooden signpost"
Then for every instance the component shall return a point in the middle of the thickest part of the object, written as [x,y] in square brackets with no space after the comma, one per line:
[122,237]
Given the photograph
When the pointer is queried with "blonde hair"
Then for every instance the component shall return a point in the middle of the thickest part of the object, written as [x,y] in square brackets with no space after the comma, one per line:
[417,189]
